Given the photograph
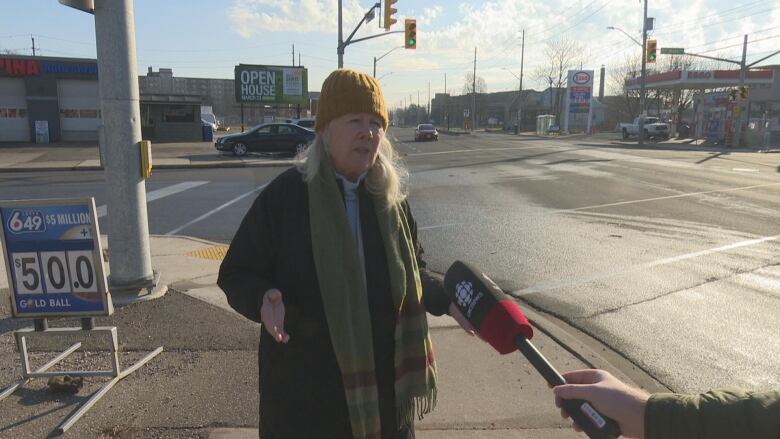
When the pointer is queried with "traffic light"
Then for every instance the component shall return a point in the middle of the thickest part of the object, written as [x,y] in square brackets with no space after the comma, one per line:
[743,92]
[389,12]
[410,33]
[652,48]
[733,95]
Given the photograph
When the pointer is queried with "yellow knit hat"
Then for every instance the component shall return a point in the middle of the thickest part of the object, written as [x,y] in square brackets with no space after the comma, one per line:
[349,91]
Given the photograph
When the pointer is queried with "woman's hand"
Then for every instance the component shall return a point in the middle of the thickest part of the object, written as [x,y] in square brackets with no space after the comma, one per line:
[461,319]
[272,315]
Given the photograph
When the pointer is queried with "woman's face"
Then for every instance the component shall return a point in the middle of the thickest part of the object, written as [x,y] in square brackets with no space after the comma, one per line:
[353,142]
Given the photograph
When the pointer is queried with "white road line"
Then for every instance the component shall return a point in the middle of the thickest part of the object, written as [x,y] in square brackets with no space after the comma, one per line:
[437,226]
[102,210]
[572,283]
[744,169]
[455,151]
[597,206]
[213,211]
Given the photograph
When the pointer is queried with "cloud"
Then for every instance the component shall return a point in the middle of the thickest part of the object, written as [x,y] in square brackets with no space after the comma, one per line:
[252,17]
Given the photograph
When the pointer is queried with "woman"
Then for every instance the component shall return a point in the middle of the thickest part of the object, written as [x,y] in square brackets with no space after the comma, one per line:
[327,259]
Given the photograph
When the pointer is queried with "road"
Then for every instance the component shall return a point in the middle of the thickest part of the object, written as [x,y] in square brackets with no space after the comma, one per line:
[667,255]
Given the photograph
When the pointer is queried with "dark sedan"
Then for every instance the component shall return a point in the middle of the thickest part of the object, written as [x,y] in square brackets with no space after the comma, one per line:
[271,137]
[425,131]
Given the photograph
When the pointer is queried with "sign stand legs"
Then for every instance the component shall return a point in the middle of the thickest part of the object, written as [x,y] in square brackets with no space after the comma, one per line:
[41,329]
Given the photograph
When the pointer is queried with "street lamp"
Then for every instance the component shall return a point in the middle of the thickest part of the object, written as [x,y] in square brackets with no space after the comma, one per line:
[625,33]
[386,53]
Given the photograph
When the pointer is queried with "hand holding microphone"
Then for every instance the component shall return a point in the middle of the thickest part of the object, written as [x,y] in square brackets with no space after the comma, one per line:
[499,321]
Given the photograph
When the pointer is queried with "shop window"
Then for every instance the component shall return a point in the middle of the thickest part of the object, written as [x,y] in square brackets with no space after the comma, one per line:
[179,113]
[69,113]
[88,113]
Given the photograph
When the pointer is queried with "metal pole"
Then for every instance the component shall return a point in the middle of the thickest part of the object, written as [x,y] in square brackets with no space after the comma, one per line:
[643,92]
[374,67]
[33,43]
[128,228]
[736,142]
[340,47]
[474,90]
[520,95]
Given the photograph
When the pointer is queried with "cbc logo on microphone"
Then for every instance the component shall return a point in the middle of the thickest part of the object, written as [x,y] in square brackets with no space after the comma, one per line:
[465,293]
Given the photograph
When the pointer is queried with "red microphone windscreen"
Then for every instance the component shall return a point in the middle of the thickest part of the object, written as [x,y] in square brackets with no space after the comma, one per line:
[503,322]
[493,313]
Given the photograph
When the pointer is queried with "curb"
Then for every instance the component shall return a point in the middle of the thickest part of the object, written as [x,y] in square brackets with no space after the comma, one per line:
[182,166]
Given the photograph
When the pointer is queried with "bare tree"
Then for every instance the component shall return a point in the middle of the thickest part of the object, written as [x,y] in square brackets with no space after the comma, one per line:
[560,57]
[619,76]
[468,84]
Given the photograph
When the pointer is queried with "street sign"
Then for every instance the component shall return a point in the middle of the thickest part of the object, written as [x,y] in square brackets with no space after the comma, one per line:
[53,258]
[672,51]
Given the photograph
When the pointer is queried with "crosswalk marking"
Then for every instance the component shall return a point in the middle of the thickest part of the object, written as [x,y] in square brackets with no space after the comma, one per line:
[102,210]
[213,211]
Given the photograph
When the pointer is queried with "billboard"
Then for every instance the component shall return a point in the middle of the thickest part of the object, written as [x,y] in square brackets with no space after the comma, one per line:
[53,258]
[271,84]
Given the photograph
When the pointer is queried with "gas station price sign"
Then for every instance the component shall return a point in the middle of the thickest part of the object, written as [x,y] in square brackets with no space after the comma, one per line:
[53,258]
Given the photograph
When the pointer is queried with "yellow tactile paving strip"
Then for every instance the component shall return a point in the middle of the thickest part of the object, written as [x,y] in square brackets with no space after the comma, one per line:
[216,252]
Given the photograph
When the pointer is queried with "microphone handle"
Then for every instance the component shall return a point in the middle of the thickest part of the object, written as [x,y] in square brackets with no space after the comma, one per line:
[593,423]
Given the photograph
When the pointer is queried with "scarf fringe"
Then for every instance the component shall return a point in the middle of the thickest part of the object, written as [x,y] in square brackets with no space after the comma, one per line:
[417,405]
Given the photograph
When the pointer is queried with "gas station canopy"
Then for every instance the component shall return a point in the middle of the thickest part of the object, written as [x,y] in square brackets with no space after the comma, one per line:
[701,79]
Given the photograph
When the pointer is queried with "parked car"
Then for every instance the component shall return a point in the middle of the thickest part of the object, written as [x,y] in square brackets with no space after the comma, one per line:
[654,129]
[425,131]
[306,122]
[272,137]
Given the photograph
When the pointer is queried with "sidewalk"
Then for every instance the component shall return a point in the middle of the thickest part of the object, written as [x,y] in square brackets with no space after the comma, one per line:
[68,156]
[204,384]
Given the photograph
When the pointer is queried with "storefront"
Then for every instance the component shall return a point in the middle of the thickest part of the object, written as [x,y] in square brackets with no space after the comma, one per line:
[61,94]
[60,97]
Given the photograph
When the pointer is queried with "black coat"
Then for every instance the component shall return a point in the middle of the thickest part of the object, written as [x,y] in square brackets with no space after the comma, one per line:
[301,390]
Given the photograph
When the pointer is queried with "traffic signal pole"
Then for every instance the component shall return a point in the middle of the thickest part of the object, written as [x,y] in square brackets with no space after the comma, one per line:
[128,226]
[367,17]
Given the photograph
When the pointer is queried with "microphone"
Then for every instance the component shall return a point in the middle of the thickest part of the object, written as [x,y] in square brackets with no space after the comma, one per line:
[499,321]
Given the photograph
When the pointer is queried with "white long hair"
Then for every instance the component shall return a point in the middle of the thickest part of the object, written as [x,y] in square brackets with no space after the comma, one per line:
[387,179]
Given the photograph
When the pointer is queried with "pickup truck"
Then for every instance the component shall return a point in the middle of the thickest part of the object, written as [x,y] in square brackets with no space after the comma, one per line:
[653,129]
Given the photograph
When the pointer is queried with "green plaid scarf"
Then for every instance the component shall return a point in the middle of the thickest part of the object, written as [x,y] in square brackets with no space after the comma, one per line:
[346,308]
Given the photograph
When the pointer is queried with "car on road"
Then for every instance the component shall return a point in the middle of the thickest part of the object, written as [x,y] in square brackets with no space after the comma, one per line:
[425,131]
[654,129]
[270,137]
[306,122]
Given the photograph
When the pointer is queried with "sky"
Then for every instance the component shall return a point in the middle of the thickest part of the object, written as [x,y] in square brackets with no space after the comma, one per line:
[206,39]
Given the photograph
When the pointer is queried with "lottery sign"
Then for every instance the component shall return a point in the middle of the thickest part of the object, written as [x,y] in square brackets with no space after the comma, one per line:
[53,258]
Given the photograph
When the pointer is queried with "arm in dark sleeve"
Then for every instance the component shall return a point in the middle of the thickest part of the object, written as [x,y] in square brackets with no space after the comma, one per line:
[246,271]
[435,299]
[725,413]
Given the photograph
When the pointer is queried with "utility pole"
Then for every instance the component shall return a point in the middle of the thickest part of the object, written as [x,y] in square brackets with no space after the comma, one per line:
[429,101]
[520,93]
[447,105]
[128,226]
[643,92]
[340,47]
[33,43]
[293,53]
[474,91]
[737,141]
